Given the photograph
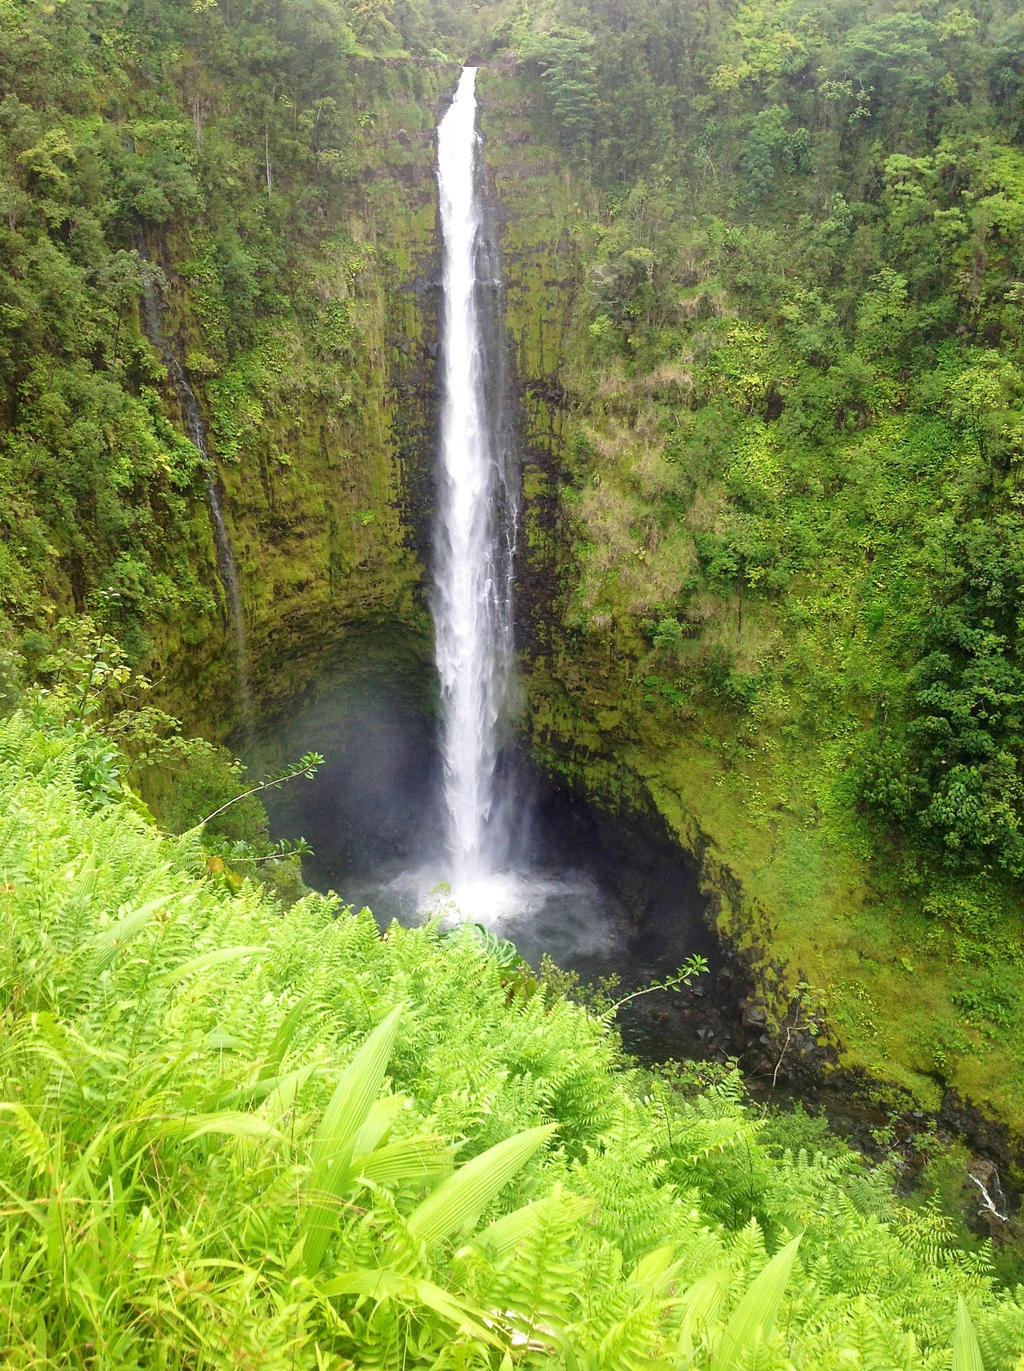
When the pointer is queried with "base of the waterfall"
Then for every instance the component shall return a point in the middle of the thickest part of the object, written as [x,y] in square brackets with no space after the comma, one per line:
[567,916]
[595,892]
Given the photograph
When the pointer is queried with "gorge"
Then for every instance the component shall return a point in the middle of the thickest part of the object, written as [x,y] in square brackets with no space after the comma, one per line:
[413,821]
[681,655]
[759,358]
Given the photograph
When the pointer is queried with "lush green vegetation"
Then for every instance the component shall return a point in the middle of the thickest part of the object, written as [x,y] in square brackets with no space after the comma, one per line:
[764,264]
[786,430]
[242,1135]
[230,181]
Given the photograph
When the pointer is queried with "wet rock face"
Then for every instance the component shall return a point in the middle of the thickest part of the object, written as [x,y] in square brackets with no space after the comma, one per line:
[994,1215]
[754,1016]
[967,1121]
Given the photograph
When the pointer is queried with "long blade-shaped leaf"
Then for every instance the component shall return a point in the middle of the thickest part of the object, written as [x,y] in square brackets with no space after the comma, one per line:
[382,1115]
[296,1016]
[384,1284]
[380,1285]
[233,1123]
[697,1306]
[408,1159]
[654,1272]
[286,1090]
[450,1308]
[505,1234]
[284,1086]
[754,1317]
[110,940]
[343,1118]
[205,960]
[354,1094]
[966,1352]
[457,1202]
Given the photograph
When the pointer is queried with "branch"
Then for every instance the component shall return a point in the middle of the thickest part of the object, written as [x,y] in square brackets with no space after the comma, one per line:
[694,966]
[306,766]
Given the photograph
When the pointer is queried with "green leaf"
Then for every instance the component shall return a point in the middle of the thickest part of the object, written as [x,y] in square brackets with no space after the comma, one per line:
[409,1159]
[457,1202]
[286,1089]
[754,1317]
[279,1090]
[34,1143]
[208,959]
[655,1271]
[698,1306]
[345,1115]
[385,1284]
[112,939]
[378,1123]
[355,1093]
[966,1352]
[297,1015]
[231,1122]
[503,1235]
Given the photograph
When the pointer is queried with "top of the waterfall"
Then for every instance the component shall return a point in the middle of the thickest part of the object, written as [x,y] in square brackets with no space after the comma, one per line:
[458,123]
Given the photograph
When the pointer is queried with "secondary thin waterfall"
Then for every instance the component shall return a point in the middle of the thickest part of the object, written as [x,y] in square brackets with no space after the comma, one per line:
[472,601]
[195,428]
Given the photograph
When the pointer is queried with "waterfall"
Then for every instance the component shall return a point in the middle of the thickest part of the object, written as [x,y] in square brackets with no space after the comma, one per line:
[543,885]
[475,521]
[195,428]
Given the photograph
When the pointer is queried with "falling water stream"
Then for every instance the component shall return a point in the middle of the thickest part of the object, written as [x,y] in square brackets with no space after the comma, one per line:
[195,428]
[414,816]
[474,541]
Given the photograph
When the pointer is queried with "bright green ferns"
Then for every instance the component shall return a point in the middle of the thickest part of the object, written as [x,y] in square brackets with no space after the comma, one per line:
[235,1135]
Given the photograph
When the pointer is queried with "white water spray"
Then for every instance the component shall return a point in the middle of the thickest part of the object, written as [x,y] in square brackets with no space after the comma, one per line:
[472,600]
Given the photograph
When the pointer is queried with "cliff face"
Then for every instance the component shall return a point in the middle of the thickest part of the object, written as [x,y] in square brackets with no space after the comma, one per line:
[257,189]
[324,487]
[322,437]
[673,663]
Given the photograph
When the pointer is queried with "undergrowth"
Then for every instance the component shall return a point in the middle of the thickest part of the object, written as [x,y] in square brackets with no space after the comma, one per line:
[240,1135]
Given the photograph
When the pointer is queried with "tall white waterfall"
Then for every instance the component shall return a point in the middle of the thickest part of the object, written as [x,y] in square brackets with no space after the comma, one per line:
[476,515]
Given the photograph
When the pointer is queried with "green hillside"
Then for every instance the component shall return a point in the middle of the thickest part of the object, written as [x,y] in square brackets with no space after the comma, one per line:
[242,1135]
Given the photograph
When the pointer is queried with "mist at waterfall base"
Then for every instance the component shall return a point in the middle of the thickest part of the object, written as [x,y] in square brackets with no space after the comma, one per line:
[599,895]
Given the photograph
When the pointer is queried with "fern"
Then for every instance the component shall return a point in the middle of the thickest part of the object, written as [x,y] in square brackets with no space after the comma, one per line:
[168,1055]
[536,1283]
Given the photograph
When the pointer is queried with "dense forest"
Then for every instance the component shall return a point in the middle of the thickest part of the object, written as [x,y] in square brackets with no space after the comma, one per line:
[764,286]
[789,437]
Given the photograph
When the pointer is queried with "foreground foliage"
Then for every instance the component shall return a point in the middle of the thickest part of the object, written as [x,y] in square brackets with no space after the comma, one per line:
[236,1135]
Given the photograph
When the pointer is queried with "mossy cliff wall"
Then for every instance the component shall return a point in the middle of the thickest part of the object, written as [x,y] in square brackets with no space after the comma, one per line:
[827,931]
[227,211]
[320,436]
